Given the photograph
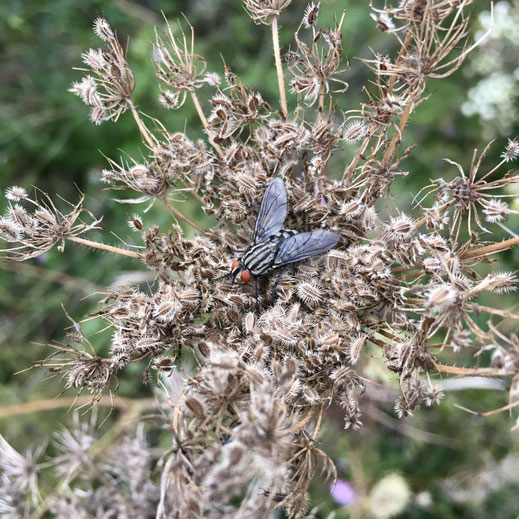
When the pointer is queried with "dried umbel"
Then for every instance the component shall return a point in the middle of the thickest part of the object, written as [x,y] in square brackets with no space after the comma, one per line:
[109,89]
[178,67]
[246,390]
[263,11]
[314,68]
[39,228]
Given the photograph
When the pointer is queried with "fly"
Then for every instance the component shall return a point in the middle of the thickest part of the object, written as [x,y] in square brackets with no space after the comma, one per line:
[274,247]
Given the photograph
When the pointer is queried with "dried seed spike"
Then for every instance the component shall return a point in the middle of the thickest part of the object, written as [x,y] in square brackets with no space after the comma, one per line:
[169,99]
[311,14]
[203,348]
[310,395]
[259,354]
[103,30]
[11,231]
[293,312]
[354,132]
[250,322]
[355,347]
[284,336]
[310,292]
[384,22]
[135,223]
[442,297]
[254,375]
[196,407]
[291,366]
[498,282]
[235,455]
[277,369]
[331,340]
[511,151]
[496,210]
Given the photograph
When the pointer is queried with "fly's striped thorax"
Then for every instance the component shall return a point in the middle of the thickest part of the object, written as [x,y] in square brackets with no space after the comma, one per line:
[260,258]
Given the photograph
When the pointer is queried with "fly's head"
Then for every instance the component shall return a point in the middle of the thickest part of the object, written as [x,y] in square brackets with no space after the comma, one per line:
[238,268]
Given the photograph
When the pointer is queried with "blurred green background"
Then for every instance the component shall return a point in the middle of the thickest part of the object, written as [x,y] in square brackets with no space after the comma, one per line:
[46,140]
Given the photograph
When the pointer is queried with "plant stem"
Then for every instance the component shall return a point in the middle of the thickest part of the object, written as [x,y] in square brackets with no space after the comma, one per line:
[182,216]
[395,141]
[321,104]
[142,128]
[302,423]
[507,407]
[350,169]
[464,372]
[51,404]
[491,249]
[192,191]
[102,246]
[318,424]
[205,124]
[279,67]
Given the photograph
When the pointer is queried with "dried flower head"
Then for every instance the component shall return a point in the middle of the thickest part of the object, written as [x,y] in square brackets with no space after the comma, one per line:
[264,11]
[242,389]
[111,84]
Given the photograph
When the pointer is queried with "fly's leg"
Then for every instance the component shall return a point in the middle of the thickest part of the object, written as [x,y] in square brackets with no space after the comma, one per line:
[256,279]
[232,274]
[222,277]
[273,296]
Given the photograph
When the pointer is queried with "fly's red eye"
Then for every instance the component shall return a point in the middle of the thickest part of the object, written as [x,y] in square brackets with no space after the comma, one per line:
[245,276]
[234,264]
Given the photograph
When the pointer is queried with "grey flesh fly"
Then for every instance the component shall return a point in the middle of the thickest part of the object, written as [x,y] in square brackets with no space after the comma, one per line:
[274,247]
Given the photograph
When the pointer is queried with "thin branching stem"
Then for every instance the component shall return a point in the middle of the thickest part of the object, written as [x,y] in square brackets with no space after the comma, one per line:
[204,122]
[103,246]
[142,127]
[494,248]
[279,67]
[183,217]
[51,404]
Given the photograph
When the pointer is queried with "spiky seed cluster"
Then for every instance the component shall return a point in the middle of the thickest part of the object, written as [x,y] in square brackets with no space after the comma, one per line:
[316,67]
[111,84]
[263,11]
[37,230]
[178,67]
[246,413]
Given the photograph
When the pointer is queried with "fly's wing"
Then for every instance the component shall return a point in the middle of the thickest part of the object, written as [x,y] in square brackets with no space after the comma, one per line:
[272,213]
[304,245]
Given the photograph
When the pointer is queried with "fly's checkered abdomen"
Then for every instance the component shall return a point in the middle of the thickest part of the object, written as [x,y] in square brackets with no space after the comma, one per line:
[282,235]
[259,260]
